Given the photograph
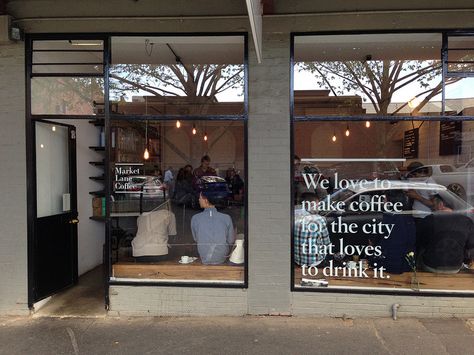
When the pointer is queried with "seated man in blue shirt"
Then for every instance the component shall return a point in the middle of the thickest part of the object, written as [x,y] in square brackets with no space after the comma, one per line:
[213,232]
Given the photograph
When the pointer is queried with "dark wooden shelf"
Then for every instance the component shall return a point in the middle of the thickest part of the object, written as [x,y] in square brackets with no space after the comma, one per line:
[97,149]
[97,178]
[97,163]
[98,122]
[97,218]
[99,193]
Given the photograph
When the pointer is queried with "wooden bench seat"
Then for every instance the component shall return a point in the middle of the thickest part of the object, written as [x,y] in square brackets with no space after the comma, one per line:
[172,270]
[462,281]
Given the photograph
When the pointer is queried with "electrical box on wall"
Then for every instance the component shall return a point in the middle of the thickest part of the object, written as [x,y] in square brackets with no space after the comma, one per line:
[9,33]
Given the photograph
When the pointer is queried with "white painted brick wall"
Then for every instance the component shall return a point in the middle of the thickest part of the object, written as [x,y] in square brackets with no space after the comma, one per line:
[356,305]
[13,237]
[161,301]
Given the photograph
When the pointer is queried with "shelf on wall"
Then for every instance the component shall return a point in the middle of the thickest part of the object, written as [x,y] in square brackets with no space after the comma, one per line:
[97,178]
[97,218]
[99,193]
[97,163]
[97,148]
[98,122]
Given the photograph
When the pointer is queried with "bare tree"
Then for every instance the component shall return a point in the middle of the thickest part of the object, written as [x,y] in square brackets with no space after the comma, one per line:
[379,80]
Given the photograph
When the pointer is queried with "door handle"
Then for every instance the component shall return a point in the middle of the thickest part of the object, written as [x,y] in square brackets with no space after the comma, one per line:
[74,221]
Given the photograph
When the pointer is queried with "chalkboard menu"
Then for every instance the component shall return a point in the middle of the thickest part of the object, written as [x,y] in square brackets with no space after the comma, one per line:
[410,144]
[450,138]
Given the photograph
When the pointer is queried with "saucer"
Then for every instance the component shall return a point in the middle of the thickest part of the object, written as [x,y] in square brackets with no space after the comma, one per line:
[191,260]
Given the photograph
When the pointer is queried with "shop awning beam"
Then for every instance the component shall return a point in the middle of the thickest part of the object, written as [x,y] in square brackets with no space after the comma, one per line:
[255,9]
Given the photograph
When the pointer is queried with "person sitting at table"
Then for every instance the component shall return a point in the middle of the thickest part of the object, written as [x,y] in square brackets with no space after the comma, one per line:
[204,169]
[450,241]
[212,231]
[151,241]
[311,241]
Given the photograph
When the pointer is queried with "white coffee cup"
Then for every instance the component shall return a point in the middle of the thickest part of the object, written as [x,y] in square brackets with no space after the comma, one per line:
[185,259]
[351,265]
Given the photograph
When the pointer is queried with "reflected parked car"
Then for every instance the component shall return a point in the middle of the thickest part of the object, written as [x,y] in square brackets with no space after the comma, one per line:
[214,186]
[394,188]
[149,186]
[460,181]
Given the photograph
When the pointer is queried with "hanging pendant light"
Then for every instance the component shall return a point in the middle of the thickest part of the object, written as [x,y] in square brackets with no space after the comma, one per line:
[334,137]
[178,124]
[367,124]
[347,131]
[194,129]
[146,153]
[205,136]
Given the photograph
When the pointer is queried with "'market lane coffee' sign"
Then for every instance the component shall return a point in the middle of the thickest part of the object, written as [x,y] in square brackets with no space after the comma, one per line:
[410,144]
[450,137]
[123,176]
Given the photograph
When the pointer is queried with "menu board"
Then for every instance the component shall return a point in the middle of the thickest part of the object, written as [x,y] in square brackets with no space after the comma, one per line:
[450,137]
[410,144]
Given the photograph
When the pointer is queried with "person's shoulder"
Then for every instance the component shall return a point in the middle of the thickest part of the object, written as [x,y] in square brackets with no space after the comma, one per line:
[197,216]
[223,215]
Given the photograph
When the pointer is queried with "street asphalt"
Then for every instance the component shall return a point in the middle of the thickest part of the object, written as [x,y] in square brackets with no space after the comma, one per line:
[234,335]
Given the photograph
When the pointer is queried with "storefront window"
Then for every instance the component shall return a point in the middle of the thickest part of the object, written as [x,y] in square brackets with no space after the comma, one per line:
[177,204]
[381,204]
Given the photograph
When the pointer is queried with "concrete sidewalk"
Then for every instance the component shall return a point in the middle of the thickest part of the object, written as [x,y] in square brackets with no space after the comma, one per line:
[244,335]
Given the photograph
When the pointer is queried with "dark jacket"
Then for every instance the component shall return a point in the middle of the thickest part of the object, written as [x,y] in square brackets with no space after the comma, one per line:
[449,242]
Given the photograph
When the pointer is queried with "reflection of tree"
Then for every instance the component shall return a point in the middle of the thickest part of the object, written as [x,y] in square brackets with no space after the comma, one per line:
[193,80]
[66,95]
[379,80]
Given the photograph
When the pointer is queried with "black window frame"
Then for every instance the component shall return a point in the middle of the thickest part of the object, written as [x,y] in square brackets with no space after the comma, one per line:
[340,118]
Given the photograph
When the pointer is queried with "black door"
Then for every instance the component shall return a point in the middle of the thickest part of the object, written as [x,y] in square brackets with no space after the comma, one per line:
[55,223]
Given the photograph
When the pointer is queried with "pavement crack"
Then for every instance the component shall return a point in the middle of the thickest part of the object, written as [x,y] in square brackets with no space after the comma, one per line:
[381,340]
[73,340]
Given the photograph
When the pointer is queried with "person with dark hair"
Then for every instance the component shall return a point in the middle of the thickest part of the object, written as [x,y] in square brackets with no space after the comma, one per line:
[440,205]
[450,241]
[213,232]
[184,192]
[204,169]
[235,184]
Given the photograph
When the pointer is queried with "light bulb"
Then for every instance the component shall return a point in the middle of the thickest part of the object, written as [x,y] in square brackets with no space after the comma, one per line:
[205,137]
[347,132]
[367,124]
[146,154]
[334,138]
[53,128]
[194,130]
[178,124]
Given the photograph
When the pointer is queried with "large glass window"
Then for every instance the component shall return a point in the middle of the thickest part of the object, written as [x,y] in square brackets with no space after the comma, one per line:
[178,201]
[381,204]
[177,163]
